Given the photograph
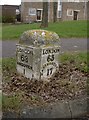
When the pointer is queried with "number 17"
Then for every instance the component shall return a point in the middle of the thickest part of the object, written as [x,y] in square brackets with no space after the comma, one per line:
[49,71]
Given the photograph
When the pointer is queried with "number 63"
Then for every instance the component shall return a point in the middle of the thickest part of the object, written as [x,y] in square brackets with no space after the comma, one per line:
[50,58]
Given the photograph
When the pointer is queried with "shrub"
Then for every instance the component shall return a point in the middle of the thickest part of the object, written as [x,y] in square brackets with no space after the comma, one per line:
[8,19]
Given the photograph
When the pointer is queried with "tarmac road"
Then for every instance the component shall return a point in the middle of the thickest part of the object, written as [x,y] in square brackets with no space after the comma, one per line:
[8,48]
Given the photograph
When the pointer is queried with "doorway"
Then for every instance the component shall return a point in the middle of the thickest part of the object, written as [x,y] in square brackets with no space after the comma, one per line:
[39,14]
[75,15]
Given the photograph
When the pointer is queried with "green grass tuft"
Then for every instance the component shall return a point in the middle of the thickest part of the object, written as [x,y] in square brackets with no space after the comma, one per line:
[10,102]
[79,59]
[9,63]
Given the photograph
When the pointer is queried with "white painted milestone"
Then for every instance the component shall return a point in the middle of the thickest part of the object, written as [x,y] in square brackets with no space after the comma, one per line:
[37,54]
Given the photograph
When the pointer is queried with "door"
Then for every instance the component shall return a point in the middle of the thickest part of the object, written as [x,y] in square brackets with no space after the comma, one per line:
[39,15]
[75,15]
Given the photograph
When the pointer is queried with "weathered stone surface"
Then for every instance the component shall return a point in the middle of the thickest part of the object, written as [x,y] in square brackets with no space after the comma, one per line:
[39,37]
[9,115]
[76,108]
[61,109]
[38,54]
[79,107]
[55,110]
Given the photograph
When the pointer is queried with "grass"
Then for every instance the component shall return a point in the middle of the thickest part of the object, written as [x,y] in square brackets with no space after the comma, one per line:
[79,59]
[9,63]
[10,102]
[13,102]
[66,29]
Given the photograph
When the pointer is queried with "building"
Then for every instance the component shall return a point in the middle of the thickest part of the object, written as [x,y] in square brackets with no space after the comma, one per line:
[69,10]
[74,10]
[88,10]
[32,11]
[11,11]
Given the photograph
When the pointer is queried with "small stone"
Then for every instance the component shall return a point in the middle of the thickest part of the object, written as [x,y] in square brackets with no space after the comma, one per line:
[24,112]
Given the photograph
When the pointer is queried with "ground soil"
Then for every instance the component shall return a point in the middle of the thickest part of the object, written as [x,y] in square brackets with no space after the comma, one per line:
[67,83]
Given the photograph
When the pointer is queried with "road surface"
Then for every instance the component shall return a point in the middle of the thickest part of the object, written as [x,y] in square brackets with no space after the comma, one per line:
[8,48]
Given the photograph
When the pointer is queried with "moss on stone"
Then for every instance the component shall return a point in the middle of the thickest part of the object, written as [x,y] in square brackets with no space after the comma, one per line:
[39,37]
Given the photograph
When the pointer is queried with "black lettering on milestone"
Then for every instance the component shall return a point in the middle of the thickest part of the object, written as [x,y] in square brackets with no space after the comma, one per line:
[50,58]
[49,71]
[24,65]
[43,52]
[24,58]
[48,51]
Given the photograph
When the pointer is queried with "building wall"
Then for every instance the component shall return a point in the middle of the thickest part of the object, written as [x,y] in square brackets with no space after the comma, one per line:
[25,11]
[9,10]
[9,13]
[80,7]
[88,10]
[37,5]
[74,6]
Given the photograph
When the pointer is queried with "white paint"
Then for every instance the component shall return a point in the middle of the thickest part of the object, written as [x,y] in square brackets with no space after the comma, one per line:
[28,73]
[35,61]
[20,69]
[38,65]
[49,62]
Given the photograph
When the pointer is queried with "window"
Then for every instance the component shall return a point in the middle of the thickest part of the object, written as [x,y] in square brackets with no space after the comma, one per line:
[69,12]
[32,11]
[39,14]
[59,14]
